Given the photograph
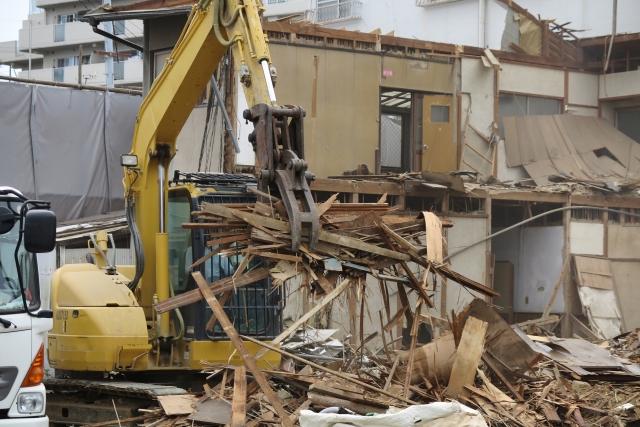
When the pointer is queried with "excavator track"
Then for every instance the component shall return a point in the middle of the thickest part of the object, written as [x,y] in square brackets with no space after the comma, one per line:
[77,402]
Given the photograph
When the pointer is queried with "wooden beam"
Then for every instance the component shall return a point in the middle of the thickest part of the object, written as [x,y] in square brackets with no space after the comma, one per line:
[467,358]
[563,273]
[582,327]
[233,335]
[342,375]
[238,408]
[598,41]
[223,285]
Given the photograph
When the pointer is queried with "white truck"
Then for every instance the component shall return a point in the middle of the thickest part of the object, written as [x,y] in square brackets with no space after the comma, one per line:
[27,227]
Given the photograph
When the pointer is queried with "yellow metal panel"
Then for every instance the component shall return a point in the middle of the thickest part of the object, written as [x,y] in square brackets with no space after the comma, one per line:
[439,148]
[399,68]
[219,352]
[94,289]
[442,77]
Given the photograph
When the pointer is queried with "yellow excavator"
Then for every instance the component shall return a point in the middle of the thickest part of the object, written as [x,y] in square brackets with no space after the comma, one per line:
[105,326]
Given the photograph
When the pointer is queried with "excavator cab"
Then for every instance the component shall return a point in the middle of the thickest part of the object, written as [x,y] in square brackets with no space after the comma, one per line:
[256,309]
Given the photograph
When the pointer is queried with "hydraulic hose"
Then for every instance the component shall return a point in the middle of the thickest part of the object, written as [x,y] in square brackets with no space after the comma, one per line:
[533,218]
[219,19]
[137,243]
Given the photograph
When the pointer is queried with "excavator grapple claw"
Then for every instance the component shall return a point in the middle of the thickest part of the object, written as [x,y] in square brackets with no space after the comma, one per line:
[278,140]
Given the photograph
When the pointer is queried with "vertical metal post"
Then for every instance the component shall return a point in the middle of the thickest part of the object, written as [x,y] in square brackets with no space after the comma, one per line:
[30,33]
[108,46]
[80,65]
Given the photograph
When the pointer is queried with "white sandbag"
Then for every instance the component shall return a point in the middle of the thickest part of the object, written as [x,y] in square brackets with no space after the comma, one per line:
[440,414]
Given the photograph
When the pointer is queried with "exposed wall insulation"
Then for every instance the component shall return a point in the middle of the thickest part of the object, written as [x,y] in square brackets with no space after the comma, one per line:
[532,80]
[628,292]
[623,241]
[583,89]
[586,238]
[530,35]
[596,290]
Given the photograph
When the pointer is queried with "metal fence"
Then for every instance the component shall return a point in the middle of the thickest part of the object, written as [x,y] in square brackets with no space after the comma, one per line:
[335,12]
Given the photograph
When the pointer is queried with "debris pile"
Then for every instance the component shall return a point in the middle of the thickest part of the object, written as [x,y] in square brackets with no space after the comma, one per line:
[477,362]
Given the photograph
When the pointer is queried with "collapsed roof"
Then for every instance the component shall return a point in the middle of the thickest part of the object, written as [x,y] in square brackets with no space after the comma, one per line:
[578,148]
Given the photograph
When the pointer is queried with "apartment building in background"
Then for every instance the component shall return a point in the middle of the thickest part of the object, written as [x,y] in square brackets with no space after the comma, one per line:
[54,32]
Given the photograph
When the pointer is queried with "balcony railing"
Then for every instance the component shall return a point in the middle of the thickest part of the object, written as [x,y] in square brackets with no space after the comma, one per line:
[343,11]
[433,2]
[276,1]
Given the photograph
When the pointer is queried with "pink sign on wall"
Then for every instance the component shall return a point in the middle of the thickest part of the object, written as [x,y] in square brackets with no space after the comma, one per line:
[387,73]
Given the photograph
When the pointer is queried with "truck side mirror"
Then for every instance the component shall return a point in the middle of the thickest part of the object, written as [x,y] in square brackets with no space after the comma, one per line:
[7,220]
[39,231]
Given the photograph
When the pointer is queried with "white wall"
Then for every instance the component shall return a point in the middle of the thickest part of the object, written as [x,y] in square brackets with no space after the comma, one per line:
[536,254]
[455,22]
[620,84]
[593,16]
[470,263]
[586,238]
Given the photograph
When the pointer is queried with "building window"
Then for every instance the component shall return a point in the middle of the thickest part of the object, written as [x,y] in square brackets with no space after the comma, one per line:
[58,74]
[511,105]
[72,61]
[65,19]
[628,122]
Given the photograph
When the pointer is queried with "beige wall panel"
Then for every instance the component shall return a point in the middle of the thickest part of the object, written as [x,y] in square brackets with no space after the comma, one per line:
[620,84]
[418,75]
[628,292]
[532,80]
[367,109]
[397,65]
[624,241]
[442,77]
[340,117]
[583,89]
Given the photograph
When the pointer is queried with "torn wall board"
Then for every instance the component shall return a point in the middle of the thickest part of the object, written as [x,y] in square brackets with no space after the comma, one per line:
[586,148]
[530,35]
[596,289]
[506,350]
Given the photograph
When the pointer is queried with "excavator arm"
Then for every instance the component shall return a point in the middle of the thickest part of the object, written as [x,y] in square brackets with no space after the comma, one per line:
[212,27]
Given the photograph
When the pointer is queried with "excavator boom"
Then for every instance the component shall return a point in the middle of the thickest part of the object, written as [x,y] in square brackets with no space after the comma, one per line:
[212,28]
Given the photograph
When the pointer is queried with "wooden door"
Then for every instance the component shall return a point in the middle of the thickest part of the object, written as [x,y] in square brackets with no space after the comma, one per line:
[503,283]
[439,150]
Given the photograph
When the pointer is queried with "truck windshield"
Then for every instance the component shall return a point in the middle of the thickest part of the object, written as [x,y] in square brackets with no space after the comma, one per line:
[10,298]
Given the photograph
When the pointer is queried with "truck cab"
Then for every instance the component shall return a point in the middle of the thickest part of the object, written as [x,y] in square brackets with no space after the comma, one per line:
[26,227]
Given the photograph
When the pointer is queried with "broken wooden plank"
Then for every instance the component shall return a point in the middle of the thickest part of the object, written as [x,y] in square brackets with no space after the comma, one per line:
[308,315]
[330,371]
[238,409]
[330,390]
[223,285]
[504,381]
[563,273]
[231,332]
[230,239]
[467,357]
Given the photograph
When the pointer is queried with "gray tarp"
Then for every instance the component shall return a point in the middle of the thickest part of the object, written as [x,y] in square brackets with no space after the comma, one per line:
[63,145]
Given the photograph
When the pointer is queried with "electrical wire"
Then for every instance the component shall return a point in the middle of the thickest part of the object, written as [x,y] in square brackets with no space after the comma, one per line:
[533,218]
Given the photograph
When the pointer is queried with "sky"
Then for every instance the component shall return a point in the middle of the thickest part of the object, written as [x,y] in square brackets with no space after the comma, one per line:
[12,13]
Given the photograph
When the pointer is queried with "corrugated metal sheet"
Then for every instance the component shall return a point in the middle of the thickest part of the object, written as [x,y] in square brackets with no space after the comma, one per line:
[78,256]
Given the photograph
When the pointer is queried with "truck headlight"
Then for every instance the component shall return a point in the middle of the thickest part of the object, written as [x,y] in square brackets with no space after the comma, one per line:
[29,403]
